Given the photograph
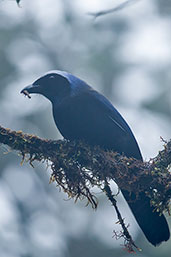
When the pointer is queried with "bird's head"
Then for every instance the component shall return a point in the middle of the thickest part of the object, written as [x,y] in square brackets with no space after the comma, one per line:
[54,85]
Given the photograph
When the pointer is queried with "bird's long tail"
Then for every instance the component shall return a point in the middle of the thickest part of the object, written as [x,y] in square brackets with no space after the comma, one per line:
[153,225]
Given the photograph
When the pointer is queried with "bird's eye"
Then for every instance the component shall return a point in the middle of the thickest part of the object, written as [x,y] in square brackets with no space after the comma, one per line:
[51,77]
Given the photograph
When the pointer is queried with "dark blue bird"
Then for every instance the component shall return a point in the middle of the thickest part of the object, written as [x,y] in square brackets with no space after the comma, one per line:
[80,112]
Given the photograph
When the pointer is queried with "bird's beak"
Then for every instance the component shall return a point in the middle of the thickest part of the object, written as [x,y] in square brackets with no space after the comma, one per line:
[31,89]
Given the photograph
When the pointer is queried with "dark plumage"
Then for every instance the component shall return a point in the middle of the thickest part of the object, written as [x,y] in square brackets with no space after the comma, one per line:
[82,113]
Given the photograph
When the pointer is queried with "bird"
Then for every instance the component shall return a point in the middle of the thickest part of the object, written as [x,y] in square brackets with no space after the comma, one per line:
[82,113]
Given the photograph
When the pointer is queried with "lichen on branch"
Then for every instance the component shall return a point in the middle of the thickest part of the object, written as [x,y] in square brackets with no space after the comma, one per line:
[77,167]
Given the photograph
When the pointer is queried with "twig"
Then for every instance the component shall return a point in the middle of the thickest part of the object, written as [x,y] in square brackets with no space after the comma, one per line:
[128,241]
[117,8]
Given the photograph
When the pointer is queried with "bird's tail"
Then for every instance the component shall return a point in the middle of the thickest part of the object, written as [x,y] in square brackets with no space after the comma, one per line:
[153,225]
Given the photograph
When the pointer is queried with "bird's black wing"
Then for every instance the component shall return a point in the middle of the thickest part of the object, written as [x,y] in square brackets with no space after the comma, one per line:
[90,116]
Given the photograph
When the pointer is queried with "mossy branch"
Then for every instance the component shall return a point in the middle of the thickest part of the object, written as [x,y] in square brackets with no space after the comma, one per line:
[78,167]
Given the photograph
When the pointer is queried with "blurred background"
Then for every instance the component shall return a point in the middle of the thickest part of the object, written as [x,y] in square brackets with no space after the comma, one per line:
[126,56]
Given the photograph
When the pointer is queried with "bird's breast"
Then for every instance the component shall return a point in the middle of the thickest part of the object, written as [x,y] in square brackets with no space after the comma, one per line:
[67,118]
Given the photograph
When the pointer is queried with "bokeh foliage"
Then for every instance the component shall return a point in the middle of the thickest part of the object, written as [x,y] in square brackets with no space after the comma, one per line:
[115,55]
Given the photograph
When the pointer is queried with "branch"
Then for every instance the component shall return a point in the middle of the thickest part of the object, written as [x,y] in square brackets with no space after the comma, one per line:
[78,167]
[115,9]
